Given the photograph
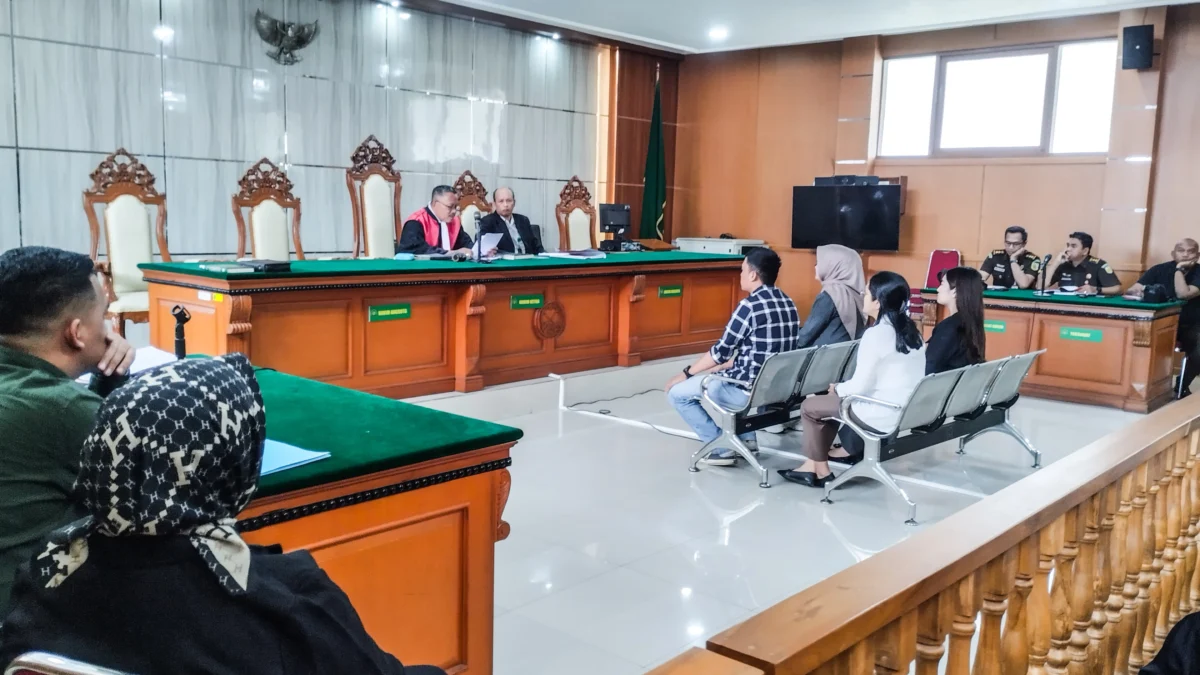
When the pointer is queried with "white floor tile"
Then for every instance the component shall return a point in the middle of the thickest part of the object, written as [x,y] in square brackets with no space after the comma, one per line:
[526,647]
[641,618]
[529,568]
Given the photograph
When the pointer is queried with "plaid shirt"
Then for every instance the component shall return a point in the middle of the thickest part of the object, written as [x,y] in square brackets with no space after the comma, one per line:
[764,323]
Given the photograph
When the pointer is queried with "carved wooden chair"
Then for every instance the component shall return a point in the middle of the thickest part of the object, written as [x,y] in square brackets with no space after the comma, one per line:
[472,200]
[266,191]
[375,189]
[576,217]
[125,187]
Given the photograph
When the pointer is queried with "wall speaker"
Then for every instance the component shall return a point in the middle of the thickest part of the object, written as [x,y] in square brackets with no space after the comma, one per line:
[1137,47]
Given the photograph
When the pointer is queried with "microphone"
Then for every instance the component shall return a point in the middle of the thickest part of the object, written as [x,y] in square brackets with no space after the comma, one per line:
[478,241]
[182,316]
[1045,269]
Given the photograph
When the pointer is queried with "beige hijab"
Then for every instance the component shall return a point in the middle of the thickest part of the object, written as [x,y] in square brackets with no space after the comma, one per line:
[841,274]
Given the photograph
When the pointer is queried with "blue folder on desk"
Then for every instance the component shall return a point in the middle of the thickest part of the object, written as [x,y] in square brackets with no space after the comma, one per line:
[281,457]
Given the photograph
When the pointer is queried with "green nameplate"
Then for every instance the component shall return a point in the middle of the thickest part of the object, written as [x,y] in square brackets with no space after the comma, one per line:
[388,312]
[526,301]
[670,291]
[1081,334]
[995,326]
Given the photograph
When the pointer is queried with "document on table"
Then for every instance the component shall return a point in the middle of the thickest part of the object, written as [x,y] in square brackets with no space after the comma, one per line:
[486,243]
[144,359]
[279,456]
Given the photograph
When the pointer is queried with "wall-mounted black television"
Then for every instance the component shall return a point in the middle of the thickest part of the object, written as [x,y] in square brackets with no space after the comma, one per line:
[861,217]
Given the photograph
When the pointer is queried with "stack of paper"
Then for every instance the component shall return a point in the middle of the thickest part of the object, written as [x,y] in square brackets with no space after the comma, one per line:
[281,457]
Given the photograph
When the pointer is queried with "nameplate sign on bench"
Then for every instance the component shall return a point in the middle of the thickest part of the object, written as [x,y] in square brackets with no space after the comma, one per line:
[670,291]
[1081,334]
[389,312]
[993,326]
[533,301]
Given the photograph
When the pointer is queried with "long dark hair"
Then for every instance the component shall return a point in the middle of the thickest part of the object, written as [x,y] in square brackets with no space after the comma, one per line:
[891,291]
[968,297]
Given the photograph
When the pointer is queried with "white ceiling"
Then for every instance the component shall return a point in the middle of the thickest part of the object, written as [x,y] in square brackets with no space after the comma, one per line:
[683,25]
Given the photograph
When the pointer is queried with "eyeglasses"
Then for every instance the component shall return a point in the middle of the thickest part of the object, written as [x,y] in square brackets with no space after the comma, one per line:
[452,207]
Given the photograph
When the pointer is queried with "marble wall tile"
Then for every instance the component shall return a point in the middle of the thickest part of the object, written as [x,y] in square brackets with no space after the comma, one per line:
[429,133]
[114,24]
[487,129]
[522,142]
[557,160]
[5,12]
[199,213]
[81,98]
[509,66]
[327,120]
[326,222]
[560,64]
[553,192]
[10,217]
[52,185]
[585,71]
[220,112]
[8,121]
[219,31]
[431,52]
[579,159]
[352,44]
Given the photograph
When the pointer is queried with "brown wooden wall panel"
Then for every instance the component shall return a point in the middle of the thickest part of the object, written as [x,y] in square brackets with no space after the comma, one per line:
[1050,201]
[1000,35]
[632,110]
[1177,172]
[633,135]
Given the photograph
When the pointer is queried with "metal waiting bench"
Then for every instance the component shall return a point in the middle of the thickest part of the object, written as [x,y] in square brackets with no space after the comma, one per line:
[784,381]
[962,404]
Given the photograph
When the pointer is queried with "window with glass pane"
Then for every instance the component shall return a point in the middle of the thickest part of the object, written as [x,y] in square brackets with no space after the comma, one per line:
[995,102]
[1083,108]
[908,86]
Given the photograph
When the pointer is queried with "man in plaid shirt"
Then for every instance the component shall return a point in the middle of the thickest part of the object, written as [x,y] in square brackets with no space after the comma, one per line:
[764,323]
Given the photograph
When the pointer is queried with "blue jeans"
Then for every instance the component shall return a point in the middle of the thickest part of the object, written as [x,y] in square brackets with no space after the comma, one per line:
[685,396]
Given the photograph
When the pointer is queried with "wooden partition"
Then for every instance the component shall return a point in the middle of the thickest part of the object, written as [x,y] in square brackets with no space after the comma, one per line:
[1082,567]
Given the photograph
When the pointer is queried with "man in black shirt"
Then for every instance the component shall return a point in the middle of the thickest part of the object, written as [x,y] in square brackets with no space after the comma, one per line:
[1076,268]
[1012,266]
[1180,277]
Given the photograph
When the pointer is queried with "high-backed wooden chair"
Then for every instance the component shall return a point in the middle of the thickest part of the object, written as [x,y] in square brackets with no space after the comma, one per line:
[375,190]
[576,217]
[125,186]
[472,200]
[266,191]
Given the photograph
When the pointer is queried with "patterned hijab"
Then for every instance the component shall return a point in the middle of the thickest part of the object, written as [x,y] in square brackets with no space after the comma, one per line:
[176,451]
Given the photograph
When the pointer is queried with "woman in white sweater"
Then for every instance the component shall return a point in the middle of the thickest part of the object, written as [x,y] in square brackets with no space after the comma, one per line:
[890,363]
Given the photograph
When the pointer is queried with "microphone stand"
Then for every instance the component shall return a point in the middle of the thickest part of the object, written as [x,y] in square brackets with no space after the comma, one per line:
[1045,269]
[182,316]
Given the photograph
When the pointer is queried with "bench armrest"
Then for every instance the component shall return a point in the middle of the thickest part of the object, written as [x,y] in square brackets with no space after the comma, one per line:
[721,378]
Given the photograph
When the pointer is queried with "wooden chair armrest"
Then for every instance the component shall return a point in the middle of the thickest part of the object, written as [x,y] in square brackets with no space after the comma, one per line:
[104,269]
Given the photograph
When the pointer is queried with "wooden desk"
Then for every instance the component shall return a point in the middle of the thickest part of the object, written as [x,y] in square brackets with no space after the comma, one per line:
[403,329]
[1103,351]
[404,515]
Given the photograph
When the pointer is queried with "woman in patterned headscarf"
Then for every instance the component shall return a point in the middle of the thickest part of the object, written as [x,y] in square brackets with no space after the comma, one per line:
[155,579]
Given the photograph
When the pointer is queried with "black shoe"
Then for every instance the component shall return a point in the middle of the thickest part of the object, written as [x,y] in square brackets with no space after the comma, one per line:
[805,478]
[848,459]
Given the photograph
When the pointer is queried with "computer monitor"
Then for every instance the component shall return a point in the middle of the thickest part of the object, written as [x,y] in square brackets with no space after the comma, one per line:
[614,218]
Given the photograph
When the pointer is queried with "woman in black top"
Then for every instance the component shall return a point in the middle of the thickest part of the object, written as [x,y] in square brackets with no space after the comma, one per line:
[155,579]
[958,339]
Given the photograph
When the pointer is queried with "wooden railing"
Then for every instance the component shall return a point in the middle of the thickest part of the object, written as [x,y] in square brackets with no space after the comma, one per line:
[1081,567]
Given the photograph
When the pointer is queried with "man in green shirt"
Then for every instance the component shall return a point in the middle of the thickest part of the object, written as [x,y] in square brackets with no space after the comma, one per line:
[52,330]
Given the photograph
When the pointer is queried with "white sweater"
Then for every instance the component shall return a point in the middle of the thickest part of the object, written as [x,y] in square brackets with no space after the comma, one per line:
[883,373]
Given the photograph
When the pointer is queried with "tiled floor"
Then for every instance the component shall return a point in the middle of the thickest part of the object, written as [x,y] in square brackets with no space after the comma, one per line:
[619,558]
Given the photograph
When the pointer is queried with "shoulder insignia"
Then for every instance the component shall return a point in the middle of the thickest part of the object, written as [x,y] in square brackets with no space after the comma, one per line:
[1093,259]
[1107,268]
[1035,264]
[998,251]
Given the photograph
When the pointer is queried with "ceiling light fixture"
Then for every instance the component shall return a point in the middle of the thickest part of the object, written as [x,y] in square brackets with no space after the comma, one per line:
[556,36]
[395,3]
[404,16]
[164,33]
[718,33]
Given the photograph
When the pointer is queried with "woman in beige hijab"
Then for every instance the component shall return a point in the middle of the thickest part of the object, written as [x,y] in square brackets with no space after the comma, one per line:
[836,314]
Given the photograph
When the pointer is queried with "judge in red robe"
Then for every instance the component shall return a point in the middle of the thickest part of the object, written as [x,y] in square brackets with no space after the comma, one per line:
[435,228]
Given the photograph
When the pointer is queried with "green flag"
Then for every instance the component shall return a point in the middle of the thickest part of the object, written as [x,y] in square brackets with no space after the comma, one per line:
[654,182]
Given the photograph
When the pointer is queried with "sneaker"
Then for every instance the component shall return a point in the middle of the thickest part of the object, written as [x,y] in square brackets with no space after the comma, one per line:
[722,457]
